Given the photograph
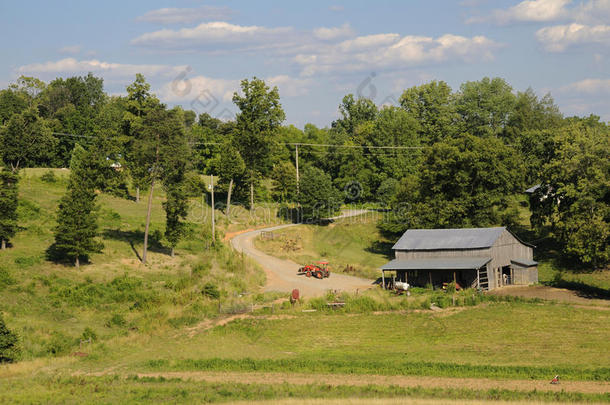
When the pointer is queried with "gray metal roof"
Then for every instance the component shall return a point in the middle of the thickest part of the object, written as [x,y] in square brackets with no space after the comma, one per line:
[533,189]
[433,239]
[524,262]
[445,263]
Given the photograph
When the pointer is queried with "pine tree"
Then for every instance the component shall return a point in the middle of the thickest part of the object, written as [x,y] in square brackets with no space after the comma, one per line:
[77,215]
[175,210]
[9,344]
[8,206]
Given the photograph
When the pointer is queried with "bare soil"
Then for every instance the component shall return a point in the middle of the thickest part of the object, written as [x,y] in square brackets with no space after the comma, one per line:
[551,294]
[403,381]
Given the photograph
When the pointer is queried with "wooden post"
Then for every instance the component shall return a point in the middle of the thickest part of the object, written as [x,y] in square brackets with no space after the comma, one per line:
[454,278]
[430,277]
[478,279]
[383,279]
[213,219]
[296,158]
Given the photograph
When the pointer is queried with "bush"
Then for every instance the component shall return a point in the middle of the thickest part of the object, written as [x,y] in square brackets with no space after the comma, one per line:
[58,344]
[89,333]
[49,177]
[6,279]
[9,344]
[116,320]
[211,291]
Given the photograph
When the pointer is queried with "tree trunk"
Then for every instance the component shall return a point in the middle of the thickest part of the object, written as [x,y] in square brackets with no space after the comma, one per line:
[251,195]
[148,214]
[137,194]
[172,252]
[77,262]
[3,247]
[150,201]
[229,198]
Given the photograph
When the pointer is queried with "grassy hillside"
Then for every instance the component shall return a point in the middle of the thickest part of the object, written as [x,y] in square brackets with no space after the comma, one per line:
[153,329]
[53,306]
[354,242]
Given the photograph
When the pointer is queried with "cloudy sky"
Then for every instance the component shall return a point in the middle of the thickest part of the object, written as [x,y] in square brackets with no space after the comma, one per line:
[194,53]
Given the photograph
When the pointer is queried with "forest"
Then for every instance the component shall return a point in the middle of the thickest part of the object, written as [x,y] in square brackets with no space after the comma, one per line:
[441,158]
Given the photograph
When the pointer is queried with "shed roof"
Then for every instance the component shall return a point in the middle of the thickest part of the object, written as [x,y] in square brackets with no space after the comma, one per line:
[533,189]
[524,262]
[434,239]
[446,263]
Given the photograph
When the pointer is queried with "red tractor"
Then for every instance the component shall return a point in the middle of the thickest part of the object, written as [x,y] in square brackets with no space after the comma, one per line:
[319,270]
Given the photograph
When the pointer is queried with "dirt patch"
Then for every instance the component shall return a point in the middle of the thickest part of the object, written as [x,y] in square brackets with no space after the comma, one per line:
[403,381]
[549,293]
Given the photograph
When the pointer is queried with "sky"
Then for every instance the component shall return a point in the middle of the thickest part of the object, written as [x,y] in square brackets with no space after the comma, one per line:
[194,53]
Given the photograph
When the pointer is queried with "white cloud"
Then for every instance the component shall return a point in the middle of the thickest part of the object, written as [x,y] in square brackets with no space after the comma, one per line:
[332,33]
[73,66]
[395,52]
[187,15]
[71,49]
[559,37]
[527,11]
[588,86]
[593,12]
[290,86]
[199,89]
[214,34]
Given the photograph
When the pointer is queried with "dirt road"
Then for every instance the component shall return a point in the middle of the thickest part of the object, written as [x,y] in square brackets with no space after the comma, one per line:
[282,274]
[593,387]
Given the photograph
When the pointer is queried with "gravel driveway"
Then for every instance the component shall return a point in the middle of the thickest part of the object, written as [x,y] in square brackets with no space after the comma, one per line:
[282,274]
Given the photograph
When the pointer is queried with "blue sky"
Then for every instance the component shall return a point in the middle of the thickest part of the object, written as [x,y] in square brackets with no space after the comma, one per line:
[194,53]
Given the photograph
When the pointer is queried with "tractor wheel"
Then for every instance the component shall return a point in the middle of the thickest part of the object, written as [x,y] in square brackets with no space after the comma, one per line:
[318,274]
[308,273]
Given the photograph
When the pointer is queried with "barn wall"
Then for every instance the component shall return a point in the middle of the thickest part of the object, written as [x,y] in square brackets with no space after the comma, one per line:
[508,247]
[428,254]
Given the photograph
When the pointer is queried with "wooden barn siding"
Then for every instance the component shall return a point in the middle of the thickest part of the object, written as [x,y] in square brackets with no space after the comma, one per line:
[505,248]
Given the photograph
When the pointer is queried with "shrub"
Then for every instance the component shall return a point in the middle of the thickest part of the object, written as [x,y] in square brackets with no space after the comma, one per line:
[211,291]
[116,320]
[58,344]
[6,279]
[89,333]
[9,344]
[49,177]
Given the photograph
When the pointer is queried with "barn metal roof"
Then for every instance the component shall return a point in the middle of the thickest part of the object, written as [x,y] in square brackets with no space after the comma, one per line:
[445,263]
[524,262]
[434,239]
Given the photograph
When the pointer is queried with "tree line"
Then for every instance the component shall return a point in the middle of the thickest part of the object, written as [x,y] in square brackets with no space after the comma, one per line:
[439,159]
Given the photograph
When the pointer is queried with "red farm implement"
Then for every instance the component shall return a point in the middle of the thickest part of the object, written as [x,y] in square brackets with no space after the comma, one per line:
[318,270]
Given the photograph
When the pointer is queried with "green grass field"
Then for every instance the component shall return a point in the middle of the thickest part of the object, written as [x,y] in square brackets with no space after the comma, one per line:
[155,319]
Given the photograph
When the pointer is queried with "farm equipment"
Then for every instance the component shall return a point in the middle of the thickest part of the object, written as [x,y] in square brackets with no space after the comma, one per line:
[319,270]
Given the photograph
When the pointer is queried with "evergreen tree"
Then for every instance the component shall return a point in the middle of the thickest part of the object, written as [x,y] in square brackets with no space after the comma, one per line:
[8,205]
[9,344]
[175,211]
[318,197]
[77,226]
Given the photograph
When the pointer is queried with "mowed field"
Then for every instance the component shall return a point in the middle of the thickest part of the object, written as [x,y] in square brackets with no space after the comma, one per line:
[158,338]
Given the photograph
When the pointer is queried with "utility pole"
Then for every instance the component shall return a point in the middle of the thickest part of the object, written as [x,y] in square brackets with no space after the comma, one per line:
[296,154]
[213,219]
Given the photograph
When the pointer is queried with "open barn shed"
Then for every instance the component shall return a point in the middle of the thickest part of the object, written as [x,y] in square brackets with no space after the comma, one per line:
[483,258]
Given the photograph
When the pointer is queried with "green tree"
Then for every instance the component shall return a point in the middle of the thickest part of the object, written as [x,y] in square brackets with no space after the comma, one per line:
[230,166]
[139,103]
[9,344]
[575,195]
[461,182]
[160,153]
[26,140]
[257,123]
[485,106]
[77,227]
[8,205]
[318,197]
[432,106]
[175,207]
[284,180]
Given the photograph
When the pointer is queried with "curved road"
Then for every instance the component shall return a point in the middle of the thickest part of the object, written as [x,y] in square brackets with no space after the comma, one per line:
[282,274]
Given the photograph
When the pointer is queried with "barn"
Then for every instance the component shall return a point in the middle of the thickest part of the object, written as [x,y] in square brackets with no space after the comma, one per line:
[482,258]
